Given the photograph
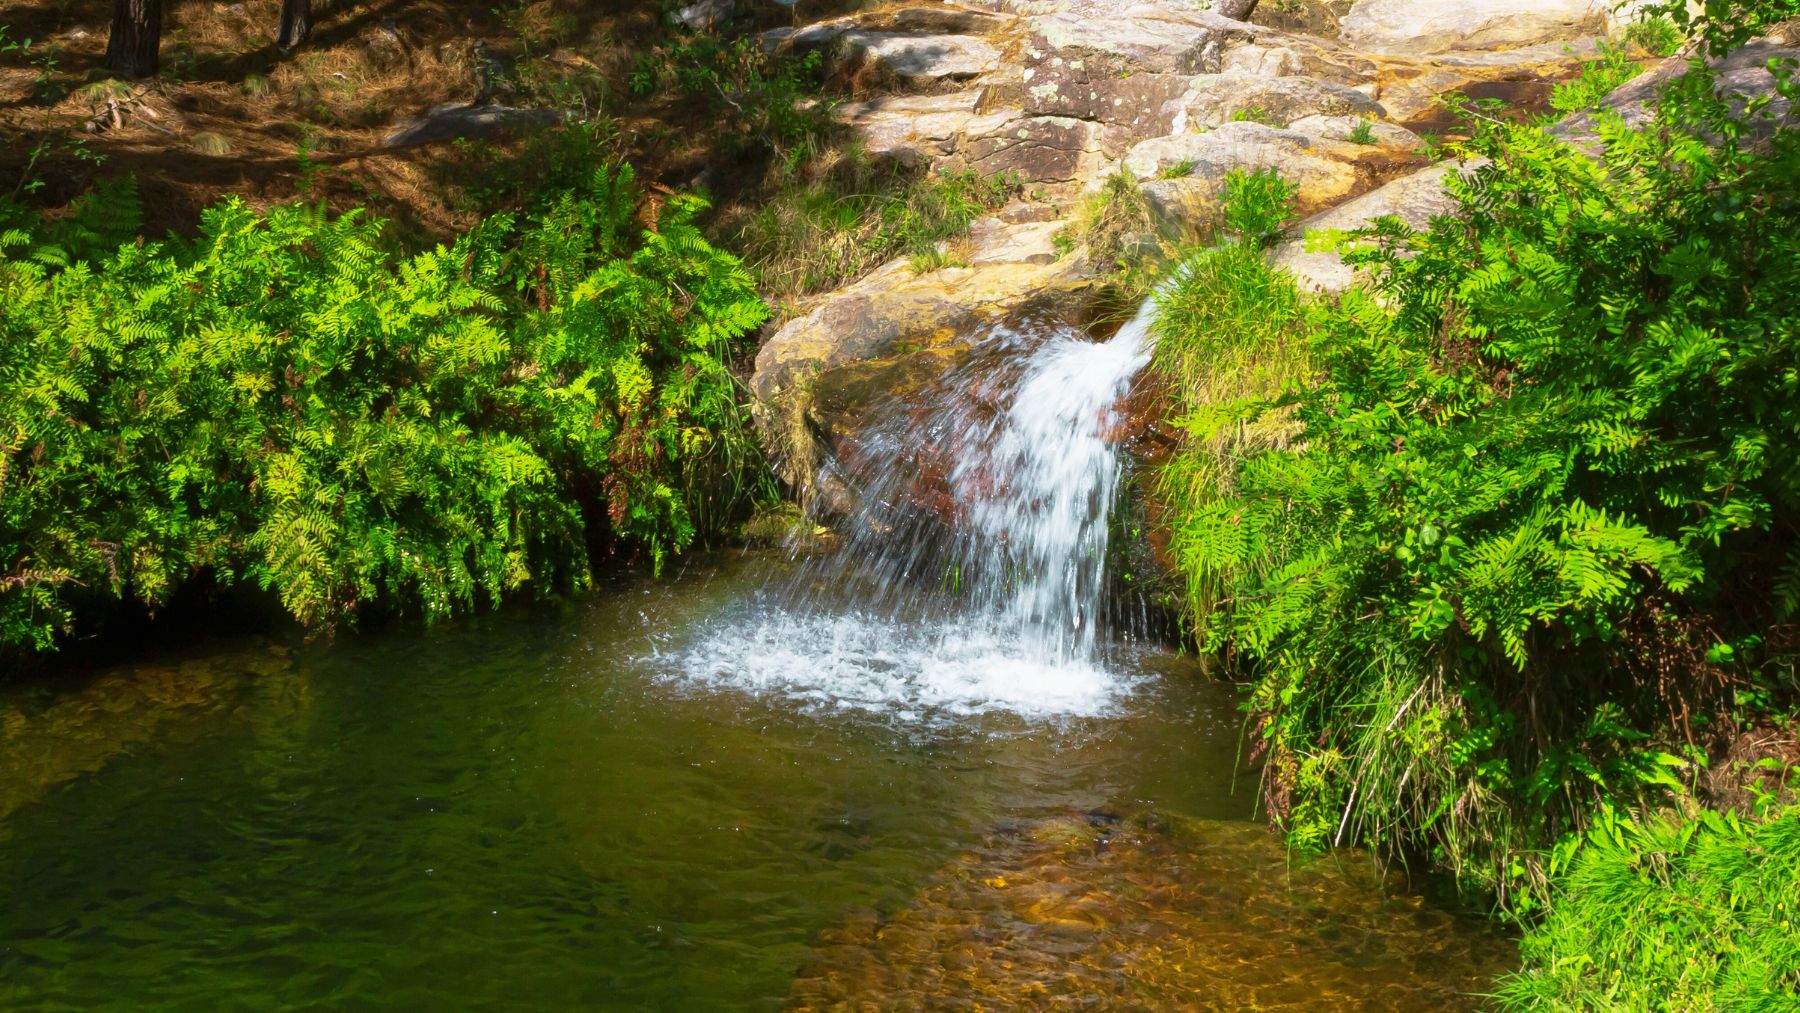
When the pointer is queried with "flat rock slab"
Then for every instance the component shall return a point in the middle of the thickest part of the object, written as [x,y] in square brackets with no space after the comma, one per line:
[1211,100]
[1325,171]
[911,129]
[1414,199]
[1389,136]
[913,58]
[1138,37]
[1438,26]
[455,120]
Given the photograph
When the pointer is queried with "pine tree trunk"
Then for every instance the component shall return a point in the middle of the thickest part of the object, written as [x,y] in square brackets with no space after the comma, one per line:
[1237,10]
[296,24]
[131,50]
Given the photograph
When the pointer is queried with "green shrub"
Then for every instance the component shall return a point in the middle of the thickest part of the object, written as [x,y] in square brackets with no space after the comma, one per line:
[1682,915]
[1363,133]
[285,402]
[1596,80]
[1657,35]
[1258,205]
[1541,500]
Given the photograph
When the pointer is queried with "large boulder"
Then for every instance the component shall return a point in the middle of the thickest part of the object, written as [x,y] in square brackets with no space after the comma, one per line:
[1387,136]
[1437,26]
[1409,89]
[894,331]
[1042,149]
[911,129]
[916,60]
[1186,171]
[1414,199]
[1211,100]
[1743,73]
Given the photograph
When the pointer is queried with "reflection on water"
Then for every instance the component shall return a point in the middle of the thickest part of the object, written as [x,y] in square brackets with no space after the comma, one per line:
[530,811]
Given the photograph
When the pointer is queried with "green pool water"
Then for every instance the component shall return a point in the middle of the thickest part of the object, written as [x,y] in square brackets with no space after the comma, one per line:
[531,810]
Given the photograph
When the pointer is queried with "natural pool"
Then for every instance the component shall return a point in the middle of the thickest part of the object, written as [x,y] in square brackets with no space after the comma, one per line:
[535,809]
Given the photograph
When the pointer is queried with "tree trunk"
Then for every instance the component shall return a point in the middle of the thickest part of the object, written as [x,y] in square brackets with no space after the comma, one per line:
[131,50]
[1236,10]
[296,24]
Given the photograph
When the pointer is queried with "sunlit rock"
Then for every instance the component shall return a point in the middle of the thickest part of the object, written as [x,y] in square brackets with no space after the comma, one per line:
[1436,26]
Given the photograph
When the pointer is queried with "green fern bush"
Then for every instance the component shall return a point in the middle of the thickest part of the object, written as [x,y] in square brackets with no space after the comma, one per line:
[283,401]
[1693,914]
[1536,513]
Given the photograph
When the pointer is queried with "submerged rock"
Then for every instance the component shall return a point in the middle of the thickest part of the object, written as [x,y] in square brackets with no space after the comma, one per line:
[1150,912]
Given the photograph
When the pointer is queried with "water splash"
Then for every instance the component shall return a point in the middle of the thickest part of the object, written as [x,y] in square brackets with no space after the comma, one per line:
[973,573]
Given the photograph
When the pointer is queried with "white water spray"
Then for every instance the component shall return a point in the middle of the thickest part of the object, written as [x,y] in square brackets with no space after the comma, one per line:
[985,593]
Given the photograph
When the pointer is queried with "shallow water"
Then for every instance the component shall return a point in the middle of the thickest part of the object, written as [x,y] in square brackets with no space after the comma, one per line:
[624,802]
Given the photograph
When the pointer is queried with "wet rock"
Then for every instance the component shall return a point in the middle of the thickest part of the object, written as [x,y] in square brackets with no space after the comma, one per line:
[1436,26]
[995,241]
[890,332]
[456,120]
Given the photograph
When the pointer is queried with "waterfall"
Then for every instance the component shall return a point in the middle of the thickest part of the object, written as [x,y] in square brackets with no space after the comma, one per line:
[972,575]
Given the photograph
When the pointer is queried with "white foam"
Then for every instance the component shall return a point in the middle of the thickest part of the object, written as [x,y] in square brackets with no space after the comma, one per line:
[908,671]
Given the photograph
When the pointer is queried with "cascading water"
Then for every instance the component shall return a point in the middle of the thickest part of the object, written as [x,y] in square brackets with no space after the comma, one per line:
[972,577]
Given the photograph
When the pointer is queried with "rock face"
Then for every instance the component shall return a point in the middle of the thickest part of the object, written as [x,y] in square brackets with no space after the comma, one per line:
[1044,149]
[916,59]
[1744,72]
[1213,99]
[1437,26]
